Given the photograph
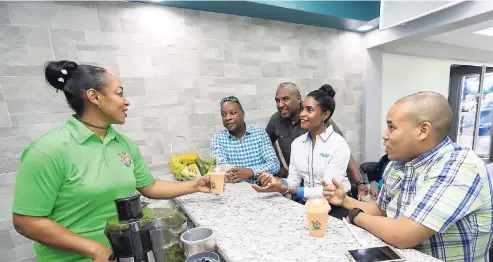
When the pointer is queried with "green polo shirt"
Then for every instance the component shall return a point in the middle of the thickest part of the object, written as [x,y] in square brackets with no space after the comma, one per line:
[72,177]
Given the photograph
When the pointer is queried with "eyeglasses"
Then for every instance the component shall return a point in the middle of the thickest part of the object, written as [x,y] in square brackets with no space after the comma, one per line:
[229,98]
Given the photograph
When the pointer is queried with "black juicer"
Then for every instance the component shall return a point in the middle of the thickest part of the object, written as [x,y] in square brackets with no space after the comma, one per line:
[129,235]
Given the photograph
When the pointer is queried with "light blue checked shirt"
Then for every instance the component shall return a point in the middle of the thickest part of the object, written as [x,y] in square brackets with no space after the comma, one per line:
[448,190]
[254,150]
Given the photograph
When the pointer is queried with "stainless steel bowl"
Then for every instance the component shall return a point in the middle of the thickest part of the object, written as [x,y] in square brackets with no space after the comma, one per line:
[198,240]
[204,256]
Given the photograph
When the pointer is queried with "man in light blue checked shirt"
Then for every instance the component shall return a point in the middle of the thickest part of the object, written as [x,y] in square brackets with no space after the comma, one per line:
[436,196]
[247,148]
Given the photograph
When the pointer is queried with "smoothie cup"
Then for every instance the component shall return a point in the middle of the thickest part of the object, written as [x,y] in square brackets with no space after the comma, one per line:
[317,211]
[217,177]
[223,168]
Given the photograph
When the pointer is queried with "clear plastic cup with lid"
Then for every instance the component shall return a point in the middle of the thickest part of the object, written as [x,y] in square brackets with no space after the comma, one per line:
[317,210]
[217,178]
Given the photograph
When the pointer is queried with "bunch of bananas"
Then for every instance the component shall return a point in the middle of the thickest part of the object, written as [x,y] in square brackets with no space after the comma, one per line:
[189,166]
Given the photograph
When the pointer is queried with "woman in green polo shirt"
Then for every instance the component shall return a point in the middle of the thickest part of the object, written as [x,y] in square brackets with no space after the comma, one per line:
[69,177]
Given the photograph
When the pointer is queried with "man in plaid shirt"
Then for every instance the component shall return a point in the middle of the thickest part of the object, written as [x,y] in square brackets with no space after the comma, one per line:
[436,196]
[247,148]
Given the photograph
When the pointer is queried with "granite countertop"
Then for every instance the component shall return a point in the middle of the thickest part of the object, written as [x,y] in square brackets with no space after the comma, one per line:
[251,226]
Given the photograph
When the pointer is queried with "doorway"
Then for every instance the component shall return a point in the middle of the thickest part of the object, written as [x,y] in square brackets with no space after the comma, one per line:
[471,98]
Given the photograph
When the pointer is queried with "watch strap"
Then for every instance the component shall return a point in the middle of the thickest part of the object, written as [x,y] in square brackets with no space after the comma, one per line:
[353,213]
[285,182]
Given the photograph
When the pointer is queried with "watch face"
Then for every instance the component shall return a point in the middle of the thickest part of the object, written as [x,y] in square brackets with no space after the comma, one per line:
[361,182]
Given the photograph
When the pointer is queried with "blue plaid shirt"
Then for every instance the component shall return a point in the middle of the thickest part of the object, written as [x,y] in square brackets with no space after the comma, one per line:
[254,150]
[448,190]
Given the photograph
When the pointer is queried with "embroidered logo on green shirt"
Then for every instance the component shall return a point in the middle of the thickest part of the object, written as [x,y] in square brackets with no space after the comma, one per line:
[125,158]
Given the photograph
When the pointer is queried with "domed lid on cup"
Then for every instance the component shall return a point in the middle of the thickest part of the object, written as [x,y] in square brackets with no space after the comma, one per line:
[222,167]
[317,204]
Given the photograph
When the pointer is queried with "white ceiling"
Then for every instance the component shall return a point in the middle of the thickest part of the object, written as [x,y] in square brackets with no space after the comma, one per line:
[393,13]
[465,37]
[447,34]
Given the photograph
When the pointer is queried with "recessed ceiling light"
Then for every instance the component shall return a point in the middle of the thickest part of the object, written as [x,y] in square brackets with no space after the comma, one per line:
[487,31]
[365,28]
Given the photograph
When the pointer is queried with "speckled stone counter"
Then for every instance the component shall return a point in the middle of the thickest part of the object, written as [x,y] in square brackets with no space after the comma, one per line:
[251,226]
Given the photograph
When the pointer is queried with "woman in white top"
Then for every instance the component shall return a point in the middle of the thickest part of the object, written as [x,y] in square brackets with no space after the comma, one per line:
[319,155]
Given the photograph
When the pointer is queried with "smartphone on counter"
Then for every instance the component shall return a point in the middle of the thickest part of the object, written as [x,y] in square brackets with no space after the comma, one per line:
[374,254]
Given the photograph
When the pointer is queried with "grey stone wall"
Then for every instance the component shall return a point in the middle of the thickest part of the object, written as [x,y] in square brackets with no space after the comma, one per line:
[175,65]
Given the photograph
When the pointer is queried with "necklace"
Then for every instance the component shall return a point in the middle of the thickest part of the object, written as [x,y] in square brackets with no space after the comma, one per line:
[87,124]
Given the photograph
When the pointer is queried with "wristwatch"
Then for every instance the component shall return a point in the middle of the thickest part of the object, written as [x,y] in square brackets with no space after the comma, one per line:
[287,192]
[361,182]
[353,213]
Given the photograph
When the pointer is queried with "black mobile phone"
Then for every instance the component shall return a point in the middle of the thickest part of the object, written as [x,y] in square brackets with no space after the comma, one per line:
[374,254]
